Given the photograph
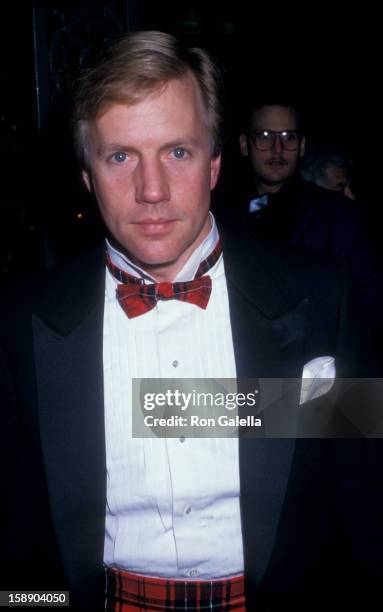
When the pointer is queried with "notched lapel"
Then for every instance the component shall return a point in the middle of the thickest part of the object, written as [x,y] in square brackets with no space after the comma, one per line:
[268,316]
[267,346]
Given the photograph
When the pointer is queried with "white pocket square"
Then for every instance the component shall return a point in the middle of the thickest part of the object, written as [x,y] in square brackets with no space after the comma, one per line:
[317,378]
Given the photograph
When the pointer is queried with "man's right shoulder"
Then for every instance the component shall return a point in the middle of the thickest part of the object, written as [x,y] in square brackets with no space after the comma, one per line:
[24,295]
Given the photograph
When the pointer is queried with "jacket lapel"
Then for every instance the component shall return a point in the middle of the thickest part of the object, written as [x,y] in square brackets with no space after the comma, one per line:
[268,334]
[267,319]
[68,356]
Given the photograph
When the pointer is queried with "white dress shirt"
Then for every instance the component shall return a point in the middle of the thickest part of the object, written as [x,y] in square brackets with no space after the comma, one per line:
[172,504]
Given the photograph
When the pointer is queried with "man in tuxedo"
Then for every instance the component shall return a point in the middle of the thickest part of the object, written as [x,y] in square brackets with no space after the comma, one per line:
[212,523]
[280,205]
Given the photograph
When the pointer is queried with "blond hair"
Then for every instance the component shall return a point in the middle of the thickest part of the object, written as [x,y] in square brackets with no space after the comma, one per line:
[134,67]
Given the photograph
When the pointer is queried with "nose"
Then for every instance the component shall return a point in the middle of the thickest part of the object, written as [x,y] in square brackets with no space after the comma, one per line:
[277,144]
[152,184]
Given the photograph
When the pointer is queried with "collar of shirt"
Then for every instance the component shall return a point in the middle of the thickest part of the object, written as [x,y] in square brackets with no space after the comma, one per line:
[188,271]
[258,203]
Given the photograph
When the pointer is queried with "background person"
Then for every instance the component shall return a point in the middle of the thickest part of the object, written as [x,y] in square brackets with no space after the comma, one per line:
[329,167]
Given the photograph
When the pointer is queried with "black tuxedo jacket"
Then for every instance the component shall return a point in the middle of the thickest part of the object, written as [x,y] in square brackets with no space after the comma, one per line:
[308,515]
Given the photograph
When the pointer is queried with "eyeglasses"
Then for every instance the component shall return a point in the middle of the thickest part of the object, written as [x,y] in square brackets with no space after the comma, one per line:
[264,140]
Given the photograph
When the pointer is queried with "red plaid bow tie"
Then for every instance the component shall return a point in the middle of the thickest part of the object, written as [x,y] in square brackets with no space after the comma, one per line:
[136,297]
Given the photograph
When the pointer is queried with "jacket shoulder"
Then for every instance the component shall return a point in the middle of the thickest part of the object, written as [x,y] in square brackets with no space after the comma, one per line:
[74,284]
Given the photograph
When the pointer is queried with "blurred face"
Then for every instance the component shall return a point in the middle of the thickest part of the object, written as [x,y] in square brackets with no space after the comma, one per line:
[151,170]
[337,179]
[272,167]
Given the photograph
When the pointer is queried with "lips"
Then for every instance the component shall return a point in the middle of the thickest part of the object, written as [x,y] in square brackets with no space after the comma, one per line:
[155,226]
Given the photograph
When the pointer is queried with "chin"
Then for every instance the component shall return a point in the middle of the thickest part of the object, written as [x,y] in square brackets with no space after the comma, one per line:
[155,259]
[275,179]
[148,251]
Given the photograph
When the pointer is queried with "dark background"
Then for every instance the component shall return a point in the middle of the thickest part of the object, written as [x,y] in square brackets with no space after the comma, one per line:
[325,58]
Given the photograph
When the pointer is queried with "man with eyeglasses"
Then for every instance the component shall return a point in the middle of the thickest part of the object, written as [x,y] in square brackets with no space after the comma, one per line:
[274,146]
[279,205]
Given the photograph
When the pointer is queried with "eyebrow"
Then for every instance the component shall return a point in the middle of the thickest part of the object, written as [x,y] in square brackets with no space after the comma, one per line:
[276,131]
[111,147]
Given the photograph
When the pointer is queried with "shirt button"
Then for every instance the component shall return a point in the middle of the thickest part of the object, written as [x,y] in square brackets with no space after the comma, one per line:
[175,363]
[193,572]
[182,439]
[187,510]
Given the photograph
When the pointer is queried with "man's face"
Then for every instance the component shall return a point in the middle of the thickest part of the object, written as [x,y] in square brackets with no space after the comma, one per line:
[273,167]
[151,170]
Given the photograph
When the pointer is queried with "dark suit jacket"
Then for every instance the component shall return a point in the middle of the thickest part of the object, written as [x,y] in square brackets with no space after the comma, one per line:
[305,216]
[308,516]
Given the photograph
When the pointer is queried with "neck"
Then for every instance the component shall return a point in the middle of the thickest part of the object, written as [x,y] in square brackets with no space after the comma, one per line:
[262,188]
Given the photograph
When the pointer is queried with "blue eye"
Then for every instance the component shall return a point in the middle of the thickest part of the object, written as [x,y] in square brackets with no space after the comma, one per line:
[179,153]
[119,157]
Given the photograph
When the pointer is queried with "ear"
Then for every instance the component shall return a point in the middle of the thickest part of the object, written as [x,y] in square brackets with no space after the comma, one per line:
[86,179]
[302,147]
[215,166]
[243,145]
